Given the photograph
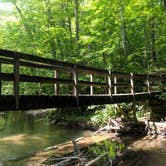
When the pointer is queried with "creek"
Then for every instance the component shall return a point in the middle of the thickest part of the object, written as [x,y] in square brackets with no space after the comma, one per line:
[22,134]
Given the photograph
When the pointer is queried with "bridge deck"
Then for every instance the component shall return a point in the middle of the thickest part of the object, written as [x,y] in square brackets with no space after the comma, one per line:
[42,102]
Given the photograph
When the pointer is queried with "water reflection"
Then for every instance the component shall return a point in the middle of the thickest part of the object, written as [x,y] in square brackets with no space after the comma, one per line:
[21,135]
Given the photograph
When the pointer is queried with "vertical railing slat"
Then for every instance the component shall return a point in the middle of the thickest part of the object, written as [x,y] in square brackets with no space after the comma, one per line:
[148,84]
[110,83]
[132,83]
[91,86]
[75,84]
[16,81]
[56,85]
[115,85]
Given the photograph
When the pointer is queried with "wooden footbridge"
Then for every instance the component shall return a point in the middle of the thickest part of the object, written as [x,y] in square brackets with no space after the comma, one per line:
[69,84]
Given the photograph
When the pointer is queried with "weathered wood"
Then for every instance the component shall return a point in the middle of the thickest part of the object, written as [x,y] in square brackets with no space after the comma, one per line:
[75,82]
[148,85]
[16,82]
[87,83]
[115,85]
[39,79]
[46,101]
[31,61]
[6,61]
[6,77]
[44,66]
[92,162]
[120,75]
[132,83]
[28,57]
[110,83]
[62,150]
[56,85]
[91,86]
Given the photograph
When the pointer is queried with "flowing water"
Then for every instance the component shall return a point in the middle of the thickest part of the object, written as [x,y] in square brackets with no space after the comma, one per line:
[21,135]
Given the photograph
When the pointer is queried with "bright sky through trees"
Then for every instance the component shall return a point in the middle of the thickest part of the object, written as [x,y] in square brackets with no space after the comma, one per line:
[6,6]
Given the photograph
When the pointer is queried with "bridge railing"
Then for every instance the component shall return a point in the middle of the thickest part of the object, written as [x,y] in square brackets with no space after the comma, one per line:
[112,83]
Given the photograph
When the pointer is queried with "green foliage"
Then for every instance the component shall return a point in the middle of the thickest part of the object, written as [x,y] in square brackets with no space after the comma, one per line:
[163,96]
[73,114]
[2,122]
[101,116]
[112,147]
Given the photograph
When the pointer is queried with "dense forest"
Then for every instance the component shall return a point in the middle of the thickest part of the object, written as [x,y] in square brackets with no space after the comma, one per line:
[111,34]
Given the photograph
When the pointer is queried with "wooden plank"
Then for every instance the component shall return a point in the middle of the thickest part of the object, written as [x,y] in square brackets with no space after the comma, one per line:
[6,77]
[44,66]
[120,75]
[91,70]
[120,84]
[29,57]
[139,76]
[46,101]
[39,79]
[87,83]
[6,61]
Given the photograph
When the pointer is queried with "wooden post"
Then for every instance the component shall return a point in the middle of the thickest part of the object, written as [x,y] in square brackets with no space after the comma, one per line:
[75,83]
[0,80]
[132,83]
[115,86]
[91,86]
[148,84]
[109,83]
[16,81]
[56,85]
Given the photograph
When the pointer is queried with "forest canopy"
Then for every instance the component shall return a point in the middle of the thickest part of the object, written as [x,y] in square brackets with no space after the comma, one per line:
[112,34]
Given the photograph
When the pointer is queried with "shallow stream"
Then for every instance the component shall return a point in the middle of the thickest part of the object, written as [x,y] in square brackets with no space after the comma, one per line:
[22,134]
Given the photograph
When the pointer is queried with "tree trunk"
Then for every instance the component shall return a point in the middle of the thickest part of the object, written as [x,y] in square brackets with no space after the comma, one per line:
[26,26]
[69,26]
[153,41]
[165,6]
[50,23]
[123,30]
[146,47]
[77,25]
